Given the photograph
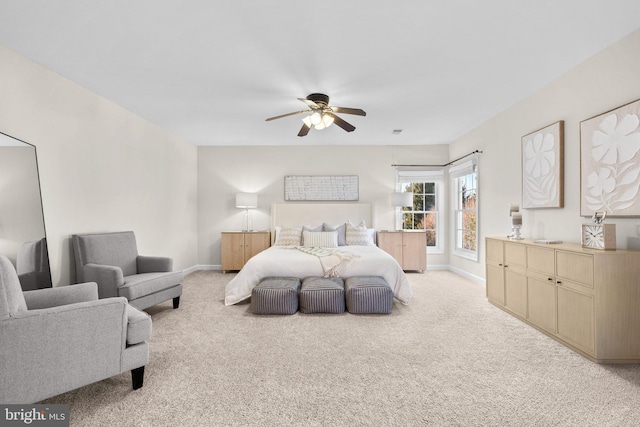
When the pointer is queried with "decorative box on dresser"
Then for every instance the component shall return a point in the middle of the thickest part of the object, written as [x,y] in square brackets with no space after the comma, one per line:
[409,248]
[239,246]
[587,299]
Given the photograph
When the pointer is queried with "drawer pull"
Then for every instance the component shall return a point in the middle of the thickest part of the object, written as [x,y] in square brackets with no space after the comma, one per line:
[559,282]
[550,279]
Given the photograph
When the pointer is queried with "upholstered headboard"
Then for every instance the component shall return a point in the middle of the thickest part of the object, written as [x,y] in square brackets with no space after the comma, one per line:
[313,214]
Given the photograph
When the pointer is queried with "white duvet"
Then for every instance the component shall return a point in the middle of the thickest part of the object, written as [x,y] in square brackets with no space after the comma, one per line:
[286,261]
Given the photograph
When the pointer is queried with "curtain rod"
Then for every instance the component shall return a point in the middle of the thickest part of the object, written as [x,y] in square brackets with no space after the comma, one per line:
[448,164]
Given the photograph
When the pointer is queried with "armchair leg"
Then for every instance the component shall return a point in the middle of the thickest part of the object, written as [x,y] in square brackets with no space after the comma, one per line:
[176,302]
[137,377]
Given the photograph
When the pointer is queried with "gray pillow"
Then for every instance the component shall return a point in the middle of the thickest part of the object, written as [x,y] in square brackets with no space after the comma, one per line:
[342,232]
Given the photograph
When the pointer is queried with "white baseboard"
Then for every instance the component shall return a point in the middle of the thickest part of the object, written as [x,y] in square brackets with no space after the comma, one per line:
[467,275]
[437,267]
[201,267]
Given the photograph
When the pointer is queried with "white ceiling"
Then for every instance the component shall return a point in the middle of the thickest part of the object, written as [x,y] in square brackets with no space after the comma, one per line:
[213,71]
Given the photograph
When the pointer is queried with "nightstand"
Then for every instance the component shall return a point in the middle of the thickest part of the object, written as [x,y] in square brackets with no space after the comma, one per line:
[239,246]
[409,248]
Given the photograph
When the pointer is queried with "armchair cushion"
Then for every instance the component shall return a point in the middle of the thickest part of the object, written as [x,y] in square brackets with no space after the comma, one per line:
[138,326]
[139,285]
[154,264]
[62,295]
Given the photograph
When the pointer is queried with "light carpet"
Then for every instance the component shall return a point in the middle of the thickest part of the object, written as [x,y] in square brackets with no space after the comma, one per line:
[449,358]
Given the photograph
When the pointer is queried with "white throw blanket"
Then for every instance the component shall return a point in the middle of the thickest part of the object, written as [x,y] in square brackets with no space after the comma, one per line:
[330,259]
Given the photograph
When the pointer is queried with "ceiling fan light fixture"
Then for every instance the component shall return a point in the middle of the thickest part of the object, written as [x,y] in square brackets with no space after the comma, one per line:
[316,118]
[327,120]
[307,121]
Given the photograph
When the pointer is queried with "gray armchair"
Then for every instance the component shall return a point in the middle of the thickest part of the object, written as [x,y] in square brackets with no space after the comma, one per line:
[112,261]
[58,339]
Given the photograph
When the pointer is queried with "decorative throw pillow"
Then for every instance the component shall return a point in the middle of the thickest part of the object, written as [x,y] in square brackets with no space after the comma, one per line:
[289,237]
[320,239]
[358,235]
[342,232]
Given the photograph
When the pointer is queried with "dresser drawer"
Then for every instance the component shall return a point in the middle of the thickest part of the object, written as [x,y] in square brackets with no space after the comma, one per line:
[575,267]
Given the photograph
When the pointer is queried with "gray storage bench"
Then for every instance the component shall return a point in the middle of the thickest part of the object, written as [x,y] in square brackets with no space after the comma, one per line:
[275,295]
[322,295]
[368,295]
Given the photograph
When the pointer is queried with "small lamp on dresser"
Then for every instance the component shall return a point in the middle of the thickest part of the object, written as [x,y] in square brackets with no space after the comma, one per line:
[247,201]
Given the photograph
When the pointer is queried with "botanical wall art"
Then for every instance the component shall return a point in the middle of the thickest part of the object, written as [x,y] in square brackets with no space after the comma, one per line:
[321,188]
[610,163]
[543,168]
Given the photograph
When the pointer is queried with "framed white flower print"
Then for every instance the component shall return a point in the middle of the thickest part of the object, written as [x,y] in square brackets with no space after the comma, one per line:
[610,162]
[543,168]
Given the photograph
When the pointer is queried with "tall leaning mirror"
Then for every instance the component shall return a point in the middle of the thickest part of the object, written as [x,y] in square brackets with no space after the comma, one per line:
[22,231]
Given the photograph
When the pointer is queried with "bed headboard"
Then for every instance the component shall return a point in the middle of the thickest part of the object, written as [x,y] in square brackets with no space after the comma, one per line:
[313,214]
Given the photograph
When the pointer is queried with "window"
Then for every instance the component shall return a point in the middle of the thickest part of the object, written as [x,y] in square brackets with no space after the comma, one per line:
[464,182]
[424,214]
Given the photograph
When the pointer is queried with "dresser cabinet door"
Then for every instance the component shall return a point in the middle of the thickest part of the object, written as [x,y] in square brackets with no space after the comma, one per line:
[495,282]
[541,300]
[576,318]
[515,290]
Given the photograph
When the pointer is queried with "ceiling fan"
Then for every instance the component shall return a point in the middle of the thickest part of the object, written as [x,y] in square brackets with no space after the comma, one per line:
[322,115]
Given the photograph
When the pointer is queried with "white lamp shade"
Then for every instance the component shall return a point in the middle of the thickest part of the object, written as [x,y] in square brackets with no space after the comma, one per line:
[246,200]
[402,199]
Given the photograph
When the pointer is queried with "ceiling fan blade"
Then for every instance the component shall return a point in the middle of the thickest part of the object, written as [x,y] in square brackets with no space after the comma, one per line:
[356,111]
[286,115]
[310,103]
[304,130]
[344,125]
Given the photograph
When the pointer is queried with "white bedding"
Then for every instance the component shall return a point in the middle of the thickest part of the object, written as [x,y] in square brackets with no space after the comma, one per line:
[286,261]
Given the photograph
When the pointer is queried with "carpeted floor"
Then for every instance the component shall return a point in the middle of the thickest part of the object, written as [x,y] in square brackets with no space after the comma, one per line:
[449,358]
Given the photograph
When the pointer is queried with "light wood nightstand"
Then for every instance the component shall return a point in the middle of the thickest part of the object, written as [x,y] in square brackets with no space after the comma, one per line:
[239,246]
[409,248]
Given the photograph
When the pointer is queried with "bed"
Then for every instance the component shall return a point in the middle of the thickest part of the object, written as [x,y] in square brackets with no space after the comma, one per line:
[296,261]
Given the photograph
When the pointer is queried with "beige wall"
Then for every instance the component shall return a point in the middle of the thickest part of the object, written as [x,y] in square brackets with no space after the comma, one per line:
[102,168]
[224,171]
[604,82]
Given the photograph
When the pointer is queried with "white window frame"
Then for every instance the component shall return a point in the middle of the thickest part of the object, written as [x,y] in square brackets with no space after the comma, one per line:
[437,177]
[455,173]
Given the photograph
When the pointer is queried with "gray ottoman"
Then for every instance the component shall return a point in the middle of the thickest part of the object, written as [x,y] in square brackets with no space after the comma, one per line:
[275,295]
[322,295]
[368,295]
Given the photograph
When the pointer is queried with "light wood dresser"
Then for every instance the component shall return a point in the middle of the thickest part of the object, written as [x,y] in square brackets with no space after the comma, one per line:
[587,299]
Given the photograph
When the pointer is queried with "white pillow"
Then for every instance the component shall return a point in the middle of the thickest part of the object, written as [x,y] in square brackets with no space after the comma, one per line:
[359,235]
[288,236]
[320,239]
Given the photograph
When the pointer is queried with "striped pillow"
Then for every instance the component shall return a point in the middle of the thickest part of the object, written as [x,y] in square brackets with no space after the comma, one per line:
[288,237]
[358,235]
[320,239]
